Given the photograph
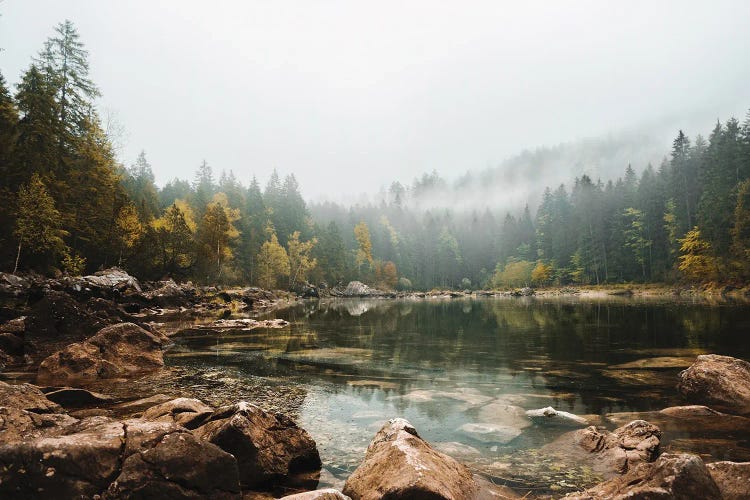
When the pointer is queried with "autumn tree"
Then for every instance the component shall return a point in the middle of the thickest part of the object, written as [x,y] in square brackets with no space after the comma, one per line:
[216,233]
[272,262]
[175,230]
[542,273]
[696,261]
[300,260]
[129,229]
[364,258]
[38,223]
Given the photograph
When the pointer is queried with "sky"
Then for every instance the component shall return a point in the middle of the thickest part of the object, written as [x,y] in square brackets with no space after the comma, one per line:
[351,95]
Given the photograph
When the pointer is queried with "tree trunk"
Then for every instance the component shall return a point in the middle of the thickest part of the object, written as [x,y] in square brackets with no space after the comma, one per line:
[18,257]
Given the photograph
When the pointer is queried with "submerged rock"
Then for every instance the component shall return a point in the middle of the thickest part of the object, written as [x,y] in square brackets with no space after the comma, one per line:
[119,350]
[732,478]
[719,381]
[400,464]
[268,448]
[609,453]
[682,477]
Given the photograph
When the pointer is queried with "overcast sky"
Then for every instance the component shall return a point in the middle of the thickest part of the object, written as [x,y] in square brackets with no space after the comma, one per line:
[349,95]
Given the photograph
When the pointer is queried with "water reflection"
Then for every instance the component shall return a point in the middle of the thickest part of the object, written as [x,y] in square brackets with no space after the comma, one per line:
[463,371]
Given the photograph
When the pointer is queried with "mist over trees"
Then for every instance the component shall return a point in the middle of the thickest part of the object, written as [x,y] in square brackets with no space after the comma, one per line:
[70,206]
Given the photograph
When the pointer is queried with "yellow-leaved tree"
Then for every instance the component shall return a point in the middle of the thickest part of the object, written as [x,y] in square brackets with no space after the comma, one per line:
[696,261]
[128,228]
[175,230]
[364,258]
[214,237]
[300,261]
[272,261]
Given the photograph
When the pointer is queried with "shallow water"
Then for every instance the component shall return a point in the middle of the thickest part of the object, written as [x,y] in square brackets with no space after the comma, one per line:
[454,367]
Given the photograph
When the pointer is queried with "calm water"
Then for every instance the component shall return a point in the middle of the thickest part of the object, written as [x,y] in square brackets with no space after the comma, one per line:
[344,366]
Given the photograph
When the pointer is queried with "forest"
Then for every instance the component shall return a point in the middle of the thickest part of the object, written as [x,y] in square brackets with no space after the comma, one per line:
[70,206]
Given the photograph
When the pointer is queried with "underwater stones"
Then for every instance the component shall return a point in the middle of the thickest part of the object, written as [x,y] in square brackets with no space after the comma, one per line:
[722,382]
[75,397]
[491,433]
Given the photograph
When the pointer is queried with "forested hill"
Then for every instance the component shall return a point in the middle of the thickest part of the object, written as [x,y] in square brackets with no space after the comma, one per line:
[70,206]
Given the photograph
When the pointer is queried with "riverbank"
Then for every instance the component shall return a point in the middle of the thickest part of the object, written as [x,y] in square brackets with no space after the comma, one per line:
[105,382]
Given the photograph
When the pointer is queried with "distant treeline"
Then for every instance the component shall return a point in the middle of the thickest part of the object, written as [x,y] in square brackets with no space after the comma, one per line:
[69,206]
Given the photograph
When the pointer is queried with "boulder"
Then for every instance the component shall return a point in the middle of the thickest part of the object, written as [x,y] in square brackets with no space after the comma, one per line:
[163,460]
[58,314]
[107,282]
[400,464]
[550,416]
[120,460]
[171,294]
[187,412]
[118,350]
[732,478]
[359,289]
[18,425]
[81,464]
[139,405]
[722,382]
[26,397]
[609,453]
[268,448]
[681,477]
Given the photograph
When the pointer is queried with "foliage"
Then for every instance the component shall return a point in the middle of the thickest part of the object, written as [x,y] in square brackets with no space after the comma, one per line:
[516,273]
[300,260]
[272,262]
[542,273]
[696,261]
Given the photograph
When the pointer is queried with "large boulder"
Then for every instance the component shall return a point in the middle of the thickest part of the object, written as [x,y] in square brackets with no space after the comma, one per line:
[609,453]
[718,381]
[113,281]
[359,289]
[269,448]
[187,412]
[81,464]
[127,459]
[732,478]
[679,477]
[163,460]
[118,350]
[400,464]
[26,397]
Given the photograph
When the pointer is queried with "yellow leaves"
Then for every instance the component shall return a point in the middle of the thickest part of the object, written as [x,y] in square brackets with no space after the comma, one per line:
[129,226]
[364,250]
[272,262]
[300,262]
[541,274]
[696,261]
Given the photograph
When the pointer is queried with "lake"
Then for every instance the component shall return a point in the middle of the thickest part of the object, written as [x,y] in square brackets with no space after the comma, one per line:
[452,367]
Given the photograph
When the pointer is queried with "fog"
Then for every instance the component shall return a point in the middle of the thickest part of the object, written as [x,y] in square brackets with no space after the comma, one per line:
[351,96]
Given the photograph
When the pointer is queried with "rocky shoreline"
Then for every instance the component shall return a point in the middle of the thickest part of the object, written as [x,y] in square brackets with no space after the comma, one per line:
[60,439]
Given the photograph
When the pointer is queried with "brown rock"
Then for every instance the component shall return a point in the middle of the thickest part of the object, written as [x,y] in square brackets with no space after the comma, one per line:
[163,460]
[18,425]
[610,453]
[400,464]
[139,405]
[732,478]
[69,466]
[118,350]
[267,447]
[679,477]
[187,412]
[26,397]
[719,381]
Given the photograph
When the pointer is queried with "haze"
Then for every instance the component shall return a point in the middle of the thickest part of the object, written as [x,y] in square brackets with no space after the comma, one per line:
[350,96]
